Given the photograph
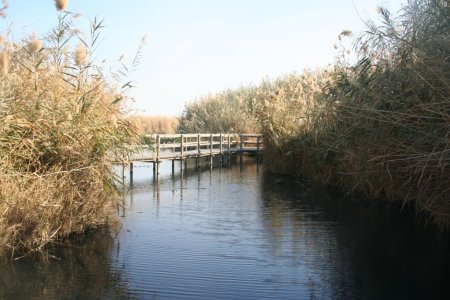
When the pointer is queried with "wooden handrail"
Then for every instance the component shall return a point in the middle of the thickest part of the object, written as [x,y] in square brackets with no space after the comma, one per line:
[181,146]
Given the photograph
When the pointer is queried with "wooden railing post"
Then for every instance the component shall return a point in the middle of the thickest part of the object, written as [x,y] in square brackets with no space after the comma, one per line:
[221,149]
[131,173]
[210,149]
[182,146]
[257,144]
[198,151]
[158,145]
[257,148]
[241,139]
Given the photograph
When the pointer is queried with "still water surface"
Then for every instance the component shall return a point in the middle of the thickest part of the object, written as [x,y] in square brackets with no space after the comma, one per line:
[237,233]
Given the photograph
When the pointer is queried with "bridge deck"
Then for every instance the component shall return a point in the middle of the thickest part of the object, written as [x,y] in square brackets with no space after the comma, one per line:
[150,157]
[182,146]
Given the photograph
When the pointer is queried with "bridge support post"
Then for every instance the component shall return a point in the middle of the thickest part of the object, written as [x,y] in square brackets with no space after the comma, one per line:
[198,151]
[257,149]
[182,146]
[229,148]
[131,173]
[210,150]
[173,167]
[221,149]
[241,147]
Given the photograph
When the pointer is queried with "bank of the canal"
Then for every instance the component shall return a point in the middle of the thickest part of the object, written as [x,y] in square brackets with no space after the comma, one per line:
[238,233]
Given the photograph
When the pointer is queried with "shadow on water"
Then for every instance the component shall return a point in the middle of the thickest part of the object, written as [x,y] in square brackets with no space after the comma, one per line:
[362,249]
[84,270]
[234,232]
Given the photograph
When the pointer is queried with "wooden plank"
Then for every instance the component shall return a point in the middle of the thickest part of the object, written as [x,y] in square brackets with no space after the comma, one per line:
[181,146]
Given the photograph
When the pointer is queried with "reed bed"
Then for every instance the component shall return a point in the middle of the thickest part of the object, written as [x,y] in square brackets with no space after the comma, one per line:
[61,124]
[383,131]
[226,112]
[155,124]
[376,128]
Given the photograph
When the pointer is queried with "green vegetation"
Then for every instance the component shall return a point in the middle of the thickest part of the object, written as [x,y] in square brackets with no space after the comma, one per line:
[378,127]
[61,124]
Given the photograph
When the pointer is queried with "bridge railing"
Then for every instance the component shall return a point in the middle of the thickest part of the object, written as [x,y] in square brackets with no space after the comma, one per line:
[178,146]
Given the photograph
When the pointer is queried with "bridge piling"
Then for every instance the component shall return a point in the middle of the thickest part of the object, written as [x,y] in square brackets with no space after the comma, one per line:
[131,173]
[181,147]
[173,167]
[211,150]
[221,150]
[198,151]
[241,147]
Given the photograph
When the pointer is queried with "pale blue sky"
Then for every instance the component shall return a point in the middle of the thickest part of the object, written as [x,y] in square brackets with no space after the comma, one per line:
[200,46]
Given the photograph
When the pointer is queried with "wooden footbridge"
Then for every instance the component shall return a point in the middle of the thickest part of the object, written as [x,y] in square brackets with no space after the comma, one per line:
[159,147]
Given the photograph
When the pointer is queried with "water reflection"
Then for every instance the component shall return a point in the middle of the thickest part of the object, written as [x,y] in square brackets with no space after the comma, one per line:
[83,270]
[236,233]
[358,249]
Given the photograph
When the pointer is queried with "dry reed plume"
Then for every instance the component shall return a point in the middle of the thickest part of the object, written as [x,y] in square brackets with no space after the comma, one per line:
[81,55]
[35,45]
[155,124]
[378,128]
[61,4]
[225,112]
[61,125]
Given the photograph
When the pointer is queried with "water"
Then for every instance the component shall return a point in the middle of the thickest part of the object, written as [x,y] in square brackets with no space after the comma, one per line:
[236,233]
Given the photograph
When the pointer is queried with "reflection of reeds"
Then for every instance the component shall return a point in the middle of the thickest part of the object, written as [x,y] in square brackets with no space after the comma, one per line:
[60,125]
[381,128]
[87,271]
[387,133]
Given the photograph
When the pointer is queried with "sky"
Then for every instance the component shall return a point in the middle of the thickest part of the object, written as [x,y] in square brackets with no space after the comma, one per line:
[197,47]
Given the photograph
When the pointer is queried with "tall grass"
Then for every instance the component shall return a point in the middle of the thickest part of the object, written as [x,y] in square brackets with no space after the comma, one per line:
[155,124]
[61,124]
[378,128]
[381,126]
[226,112]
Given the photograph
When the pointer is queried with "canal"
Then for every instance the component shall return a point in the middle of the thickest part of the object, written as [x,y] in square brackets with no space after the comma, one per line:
[238,233]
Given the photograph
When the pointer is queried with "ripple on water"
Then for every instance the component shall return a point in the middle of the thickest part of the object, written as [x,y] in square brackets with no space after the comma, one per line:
[232,234]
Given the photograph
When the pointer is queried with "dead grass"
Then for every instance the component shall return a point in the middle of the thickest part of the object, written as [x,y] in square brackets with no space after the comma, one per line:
[380,128]
[377,128]
[226,112]
[61,124]
[155,124]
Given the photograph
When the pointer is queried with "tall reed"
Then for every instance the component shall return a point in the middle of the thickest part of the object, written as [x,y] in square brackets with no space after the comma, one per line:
[228,111]
[377,128]
[155,124]
[61,124]
[380,128]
